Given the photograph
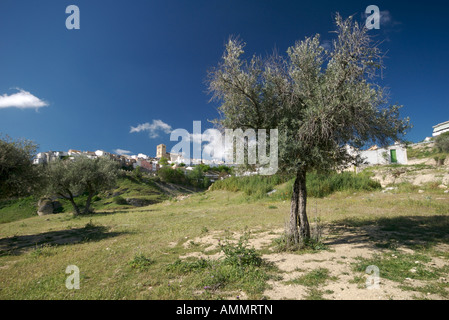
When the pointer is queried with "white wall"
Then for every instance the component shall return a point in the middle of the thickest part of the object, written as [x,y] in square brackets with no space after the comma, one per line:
[374,157]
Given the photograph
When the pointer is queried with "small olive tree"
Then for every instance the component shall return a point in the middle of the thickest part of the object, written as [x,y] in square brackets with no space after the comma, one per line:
[321,101]
[442,142]
[69,178]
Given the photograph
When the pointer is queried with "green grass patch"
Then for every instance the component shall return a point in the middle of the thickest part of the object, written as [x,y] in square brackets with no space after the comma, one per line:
[17,209]
[318,185]
[399,266]
[140,262]
[314,278]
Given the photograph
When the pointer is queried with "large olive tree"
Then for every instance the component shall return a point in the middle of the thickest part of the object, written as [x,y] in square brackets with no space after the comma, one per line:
[69,178]
[321,101]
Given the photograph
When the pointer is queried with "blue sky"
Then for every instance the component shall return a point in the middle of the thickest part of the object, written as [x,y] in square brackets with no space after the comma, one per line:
[142,64]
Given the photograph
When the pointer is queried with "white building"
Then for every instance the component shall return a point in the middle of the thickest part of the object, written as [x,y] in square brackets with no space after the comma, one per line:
[440,128]
[49,156]
[396,154]
[101,153]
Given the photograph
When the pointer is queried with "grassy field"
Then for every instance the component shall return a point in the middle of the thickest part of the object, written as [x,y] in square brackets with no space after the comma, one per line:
[164,251]
[127,188]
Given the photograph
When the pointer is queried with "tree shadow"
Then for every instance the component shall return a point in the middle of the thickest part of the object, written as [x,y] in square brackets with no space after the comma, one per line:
[17,245]
[406,231]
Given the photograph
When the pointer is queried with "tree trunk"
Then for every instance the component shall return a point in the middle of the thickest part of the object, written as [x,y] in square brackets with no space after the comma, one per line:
[72,201]
[89,200]
[304,227]
[299,229]
[77,210]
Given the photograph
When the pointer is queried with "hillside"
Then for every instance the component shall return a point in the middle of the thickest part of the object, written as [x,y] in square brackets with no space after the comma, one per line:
[228,242]
[130,192]
[189,249]
[422,171]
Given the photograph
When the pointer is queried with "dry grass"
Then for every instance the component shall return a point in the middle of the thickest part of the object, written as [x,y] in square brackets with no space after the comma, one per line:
[36,251]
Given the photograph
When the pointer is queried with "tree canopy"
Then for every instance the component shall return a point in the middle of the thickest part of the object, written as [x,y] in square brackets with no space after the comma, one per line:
[442,142]
[18,176]
[70,178]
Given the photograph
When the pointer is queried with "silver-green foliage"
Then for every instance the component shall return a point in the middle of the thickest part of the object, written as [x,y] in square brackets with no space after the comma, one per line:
[69,178]
[321,101]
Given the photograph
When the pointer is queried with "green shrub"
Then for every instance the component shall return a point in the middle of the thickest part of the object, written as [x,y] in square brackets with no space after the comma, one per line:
[442,142]
[120,200]
[239,254]
[140,262]
[168,174]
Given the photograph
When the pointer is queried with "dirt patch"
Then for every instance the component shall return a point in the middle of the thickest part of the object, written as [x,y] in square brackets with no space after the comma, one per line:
[344,247]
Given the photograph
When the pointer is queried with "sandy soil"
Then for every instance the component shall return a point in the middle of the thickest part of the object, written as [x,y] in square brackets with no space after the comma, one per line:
[343,249]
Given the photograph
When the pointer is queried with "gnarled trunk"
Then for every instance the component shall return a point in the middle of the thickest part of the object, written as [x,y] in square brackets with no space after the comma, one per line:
[72,201]
[77,210]
[299,229]
[88,202]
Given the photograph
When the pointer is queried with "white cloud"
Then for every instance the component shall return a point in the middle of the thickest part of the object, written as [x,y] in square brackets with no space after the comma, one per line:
[153,128]
[122,152]
[214,147]
[386,18]
[22,100]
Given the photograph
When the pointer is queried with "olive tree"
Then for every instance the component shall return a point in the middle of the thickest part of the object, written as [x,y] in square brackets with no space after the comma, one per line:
[70,178]
[323,102]
[18,176]
[442,142]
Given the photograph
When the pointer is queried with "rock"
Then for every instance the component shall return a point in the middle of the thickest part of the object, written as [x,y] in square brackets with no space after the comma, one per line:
[420,191]
[45,207]
[442,186]
[57,207]
[447,191]
[139,202]
[388,189]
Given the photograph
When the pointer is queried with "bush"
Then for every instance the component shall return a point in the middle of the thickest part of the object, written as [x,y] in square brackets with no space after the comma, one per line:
[168,174]
[442,142]
[240,255]
[140,262]
[120,200]
[137,173]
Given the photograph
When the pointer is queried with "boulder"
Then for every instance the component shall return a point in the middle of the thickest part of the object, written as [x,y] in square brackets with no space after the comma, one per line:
[139,202]
[45,207]
[57,207]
